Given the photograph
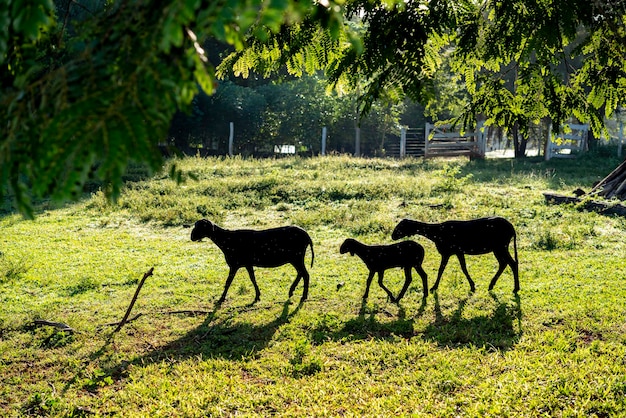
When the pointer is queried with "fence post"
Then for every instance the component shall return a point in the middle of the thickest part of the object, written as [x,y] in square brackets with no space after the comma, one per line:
[357,142]
[402,141]
[549,143]
[481,138]
[323,141]
[231,136]
[426,135]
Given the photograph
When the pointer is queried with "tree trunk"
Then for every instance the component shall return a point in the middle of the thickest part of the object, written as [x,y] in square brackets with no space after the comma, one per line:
[519,141]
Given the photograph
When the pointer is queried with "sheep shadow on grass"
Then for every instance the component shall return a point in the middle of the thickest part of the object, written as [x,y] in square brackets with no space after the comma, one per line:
[221,337]
[500,329]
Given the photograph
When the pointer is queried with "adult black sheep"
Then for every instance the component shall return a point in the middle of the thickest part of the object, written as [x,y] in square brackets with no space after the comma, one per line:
[263,248]
[477,236]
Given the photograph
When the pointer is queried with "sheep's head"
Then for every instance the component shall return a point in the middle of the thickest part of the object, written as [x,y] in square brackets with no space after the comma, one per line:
[202,229]
[347,246]
[401,230]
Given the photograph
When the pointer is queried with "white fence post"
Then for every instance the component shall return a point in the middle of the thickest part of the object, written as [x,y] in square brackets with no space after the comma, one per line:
[402,141]
[481,138]
[576,140]
[230,139]
[323,141]
[426,135]
[549,144]
[357,142]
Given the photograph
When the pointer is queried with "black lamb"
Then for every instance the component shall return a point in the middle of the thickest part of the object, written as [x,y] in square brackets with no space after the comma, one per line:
[477,236]
[378,258]
[264,248]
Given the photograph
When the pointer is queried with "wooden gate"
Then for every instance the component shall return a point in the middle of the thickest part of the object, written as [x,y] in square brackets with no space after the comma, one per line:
[566,145]
[441,141]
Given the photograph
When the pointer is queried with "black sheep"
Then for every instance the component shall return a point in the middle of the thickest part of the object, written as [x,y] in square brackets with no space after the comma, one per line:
[477,236]
[265,248]
[378,258]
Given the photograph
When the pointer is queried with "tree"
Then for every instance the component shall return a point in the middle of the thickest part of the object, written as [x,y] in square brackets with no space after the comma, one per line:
[525,61]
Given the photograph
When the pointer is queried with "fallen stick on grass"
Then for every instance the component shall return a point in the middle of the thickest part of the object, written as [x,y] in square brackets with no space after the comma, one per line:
[61,326]
[132,302]
[131,319]
[186,312]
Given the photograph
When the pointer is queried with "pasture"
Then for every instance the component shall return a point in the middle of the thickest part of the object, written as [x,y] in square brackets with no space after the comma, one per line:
[558,348]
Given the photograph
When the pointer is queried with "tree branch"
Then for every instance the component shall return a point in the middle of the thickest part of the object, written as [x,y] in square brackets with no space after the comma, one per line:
[132,302]
[61,326]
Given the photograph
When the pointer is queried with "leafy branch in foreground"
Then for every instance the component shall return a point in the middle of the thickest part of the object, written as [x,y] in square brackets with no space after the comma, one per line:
[379,49]
[90,87]
[521,61]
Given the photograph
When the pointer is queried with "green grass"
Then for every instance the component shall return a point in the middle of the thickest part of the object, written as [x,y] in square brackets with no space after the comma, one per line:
[558,349]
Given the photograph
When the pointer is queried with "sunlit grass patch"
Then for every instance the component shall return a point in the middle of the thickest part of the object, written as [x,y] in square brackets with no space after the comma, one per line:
[555,349]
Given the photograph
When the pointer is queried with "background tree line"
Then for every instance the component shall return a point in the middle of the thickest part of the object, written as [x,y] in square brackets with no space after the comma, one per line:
[272,112]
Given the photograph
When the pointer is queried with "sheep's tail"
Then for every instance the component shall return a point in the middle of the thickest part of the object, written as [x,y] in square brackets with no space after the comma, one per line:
[515,246]
[312,252]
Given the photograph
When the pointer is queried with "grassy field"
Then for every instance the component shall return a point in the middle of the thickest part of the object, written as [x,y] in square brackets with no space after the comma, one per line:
[556,349]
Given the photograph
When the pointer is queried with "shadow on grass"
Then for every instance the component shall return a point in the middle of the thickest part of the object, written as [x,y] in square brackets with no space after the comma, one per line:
[213,338]
[219,338]
[500,329]
[367,326]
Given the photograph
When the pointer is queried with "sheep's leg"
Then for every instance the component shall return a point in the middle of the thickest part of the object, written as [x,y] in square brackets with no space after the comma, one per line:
[381,274]
[257,292]
[305,291]
[294,284]
[442,267]
[515,267]
[424,277]
[504,259]
[302,274]
[408,278]
[368,283]
[229,280]
[461,258]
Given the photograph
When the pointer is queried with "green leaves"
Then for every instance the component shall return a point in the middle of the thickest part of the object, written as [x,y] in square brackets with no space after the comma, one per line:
[29,17]
[86,97]
[532,51]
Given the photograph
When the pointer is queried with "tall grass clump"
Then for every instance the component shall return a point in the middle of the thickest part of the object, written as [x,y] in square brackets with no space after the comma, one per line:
[13,267]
